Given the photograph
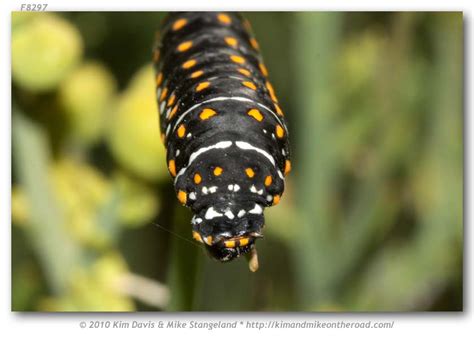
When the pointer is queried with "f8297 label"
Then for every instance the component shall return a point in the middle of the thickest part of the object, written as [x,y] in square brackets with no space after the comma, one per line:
[33,7]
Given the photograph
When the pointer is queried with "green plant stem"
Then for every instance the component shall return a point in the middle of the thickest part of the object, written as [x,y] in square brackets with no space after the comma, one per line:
[58,253]
[184,265]
[316,46]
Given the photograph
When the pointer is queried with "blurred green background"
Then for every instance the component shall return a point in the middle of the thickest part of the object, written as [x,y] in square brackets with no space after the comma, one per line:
[372,217]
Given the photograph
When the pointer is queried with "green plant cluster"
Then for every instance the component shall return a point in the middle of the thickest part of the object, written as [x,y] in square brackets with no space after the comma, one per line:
[70,209]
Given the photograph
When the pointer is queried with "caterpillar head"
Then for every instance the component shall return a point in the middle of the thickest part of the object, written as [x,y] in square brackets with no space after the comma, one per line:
[230,231]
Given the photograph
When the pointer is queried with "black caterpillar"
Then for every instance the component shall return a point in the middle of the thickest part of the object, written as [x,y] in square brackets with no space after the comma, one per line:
[226,137]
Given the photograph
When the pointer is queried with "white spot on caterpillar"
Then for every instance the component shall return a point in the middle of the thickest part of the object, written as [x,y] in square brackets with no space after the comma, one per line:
[281,175]
[229,214]
[211,213]
[196,220]
[233,187]
[241,213]
[212,189]
[162,106]
[204,190]
[257,209]
[177,152]
[254,190]
[269,198]
[264,131]
[192,195]
[189,135]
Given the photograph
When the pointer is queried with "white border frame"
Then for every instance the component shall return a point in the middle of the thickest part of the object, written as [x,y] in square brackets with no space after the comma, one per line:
[57,325]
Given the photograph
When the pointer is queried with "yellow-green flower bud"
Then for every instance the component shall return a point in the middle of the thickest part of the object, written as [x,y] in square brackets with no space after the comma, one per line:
[20,206]
[82,192]
[44,51]
[134,136]
[138,203]
[87,96]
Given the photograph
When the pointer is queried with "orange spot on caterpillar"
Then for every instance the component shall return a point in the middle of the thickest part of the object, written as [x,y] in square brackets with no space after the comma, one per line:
[263,69]
[280,132]
[207,113]
[250,85]
[173,112]
[243,241]
[255,114]
[178,24]
[218,171]
[276,199]
[271,91]
[278,110]
[197,178]
[202,86]
[182,197]
[224,18]
[231,41]
[237,59]
[159,79]
[171,100]
[229,244]
[163,94]
[197,236]
[254,44]
[181,131]
[196,74]
[188,64]
[184,46]
[287,167]
[244,71]
[172,167]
